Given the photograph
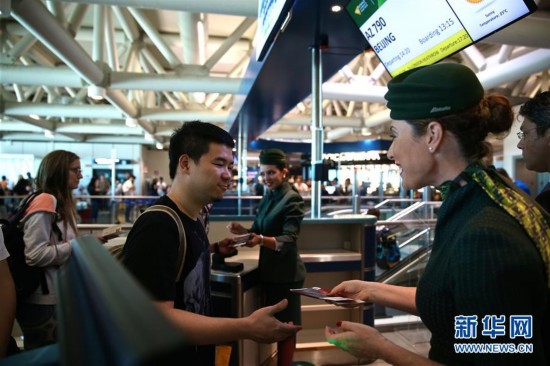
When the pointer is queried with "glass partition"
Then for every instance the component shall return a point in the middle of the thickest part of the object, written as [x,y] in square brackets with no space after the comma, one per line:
[413,228]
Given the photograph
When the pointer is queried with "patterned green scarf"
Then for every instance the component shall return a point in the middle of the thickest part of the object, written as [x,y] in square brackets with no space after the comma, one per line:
[525,210]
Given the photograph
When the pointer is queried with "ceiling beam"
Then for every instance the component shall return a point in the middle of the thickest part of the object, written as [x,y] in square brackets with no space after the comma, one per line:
[155,37]
[517,68]
[36,18]
[231,40]
[40,123]
[63,76]
[233,7]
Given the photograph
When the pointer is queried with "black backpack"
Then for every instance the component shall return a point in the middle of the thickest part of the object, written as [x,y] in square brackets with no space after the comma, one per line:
[26,278]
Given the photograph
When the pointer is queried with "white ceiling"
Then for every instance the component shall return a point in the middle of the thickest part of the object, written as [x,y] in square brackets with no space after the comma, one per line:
[149,62]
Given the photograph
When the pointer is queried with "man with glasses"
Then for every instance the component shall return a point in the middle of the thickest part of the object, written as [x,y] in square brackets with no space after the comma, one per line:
[534,139]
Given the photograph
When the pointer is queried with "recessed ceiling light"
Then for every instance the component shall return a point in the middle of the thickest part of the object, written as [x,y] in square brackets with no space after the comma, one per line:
[336,8]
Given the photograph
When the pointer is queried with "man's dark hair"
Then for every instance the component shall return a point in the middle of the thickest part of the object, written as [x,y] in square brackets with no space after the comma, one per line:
[537,110]
[193,139]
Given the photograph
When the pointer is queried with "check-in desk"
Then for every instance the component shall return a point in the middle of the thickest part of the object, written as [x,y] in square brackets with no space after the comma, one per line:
[333,250]
[237,295]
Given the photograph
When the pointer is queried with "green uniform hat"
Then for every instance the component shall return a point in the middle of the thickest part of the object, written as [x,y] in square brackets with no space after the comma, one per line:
[272,157]
[433,91]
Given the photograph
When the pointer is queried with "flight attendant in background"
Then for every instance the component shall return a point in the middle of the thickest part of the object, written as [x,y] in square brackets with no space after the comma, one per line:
[275,230]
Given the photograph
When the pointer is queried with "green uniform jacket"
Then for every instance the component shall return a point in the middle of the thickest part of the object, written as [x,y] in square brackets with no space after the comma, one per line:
[280,215]
[482,264]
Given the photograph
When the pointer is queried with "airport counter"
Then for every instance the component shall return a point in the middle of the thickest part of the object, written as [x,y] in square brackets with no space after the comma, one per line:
[333,250]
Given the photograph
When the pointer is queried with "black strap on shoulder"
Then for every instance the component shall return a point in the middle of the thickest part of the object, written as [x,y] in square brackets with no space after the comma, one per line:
[183,244]
[18,215]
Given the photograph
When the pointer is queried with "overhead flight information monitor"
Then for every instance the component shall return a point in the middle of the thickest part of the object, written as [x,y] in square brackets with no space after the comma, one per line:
[271,16]
[408,34]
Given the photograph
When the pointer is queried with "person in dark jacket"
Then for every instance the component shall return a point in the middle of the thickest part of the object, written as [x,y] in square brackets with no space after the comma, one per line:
[486,285]
[22,187]
[275,230]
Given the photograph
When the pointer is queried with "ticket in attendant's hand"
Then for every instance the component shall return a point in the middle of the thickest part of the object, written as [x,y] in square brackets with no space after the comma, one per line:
[321,294]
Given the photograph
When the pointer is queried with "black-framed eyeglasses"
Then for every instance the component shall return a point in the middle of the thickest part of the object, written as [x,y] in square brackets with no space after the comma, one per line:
[523,134]
[76,170]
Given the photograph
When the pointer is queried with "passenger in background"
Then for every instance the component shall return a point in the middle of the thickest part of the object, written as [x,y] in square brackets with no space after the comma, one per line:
[7,300]
[3,208]
[22,187]
[5,205]
[308,184]
[31,182]
[259,188]
[94,191]
[152,184]
[103,187]
[534,139]
[490,259]
[275,229]
[300,186]
[390,191]
[249,186]
[337,188]
[161,187]
[49,224]
[324,193]
[4,183]
[118,188]
[364,189]
[129,189]
[201,162]
[347,188]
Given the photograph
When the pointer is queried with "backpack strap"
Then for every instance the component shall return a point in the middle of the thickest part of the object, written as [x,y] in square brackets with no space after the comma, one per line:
[183,244]
[20,211]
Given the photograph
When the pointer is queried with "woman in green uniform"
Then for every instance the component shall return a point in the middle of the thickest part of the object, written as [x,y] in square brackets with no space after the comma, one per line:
[484,294]
[275,230]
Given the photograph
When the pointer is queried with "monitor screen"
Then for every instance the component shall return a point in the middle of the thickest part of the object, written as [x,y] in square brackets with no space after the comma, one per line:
[271,15]
[408,34]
